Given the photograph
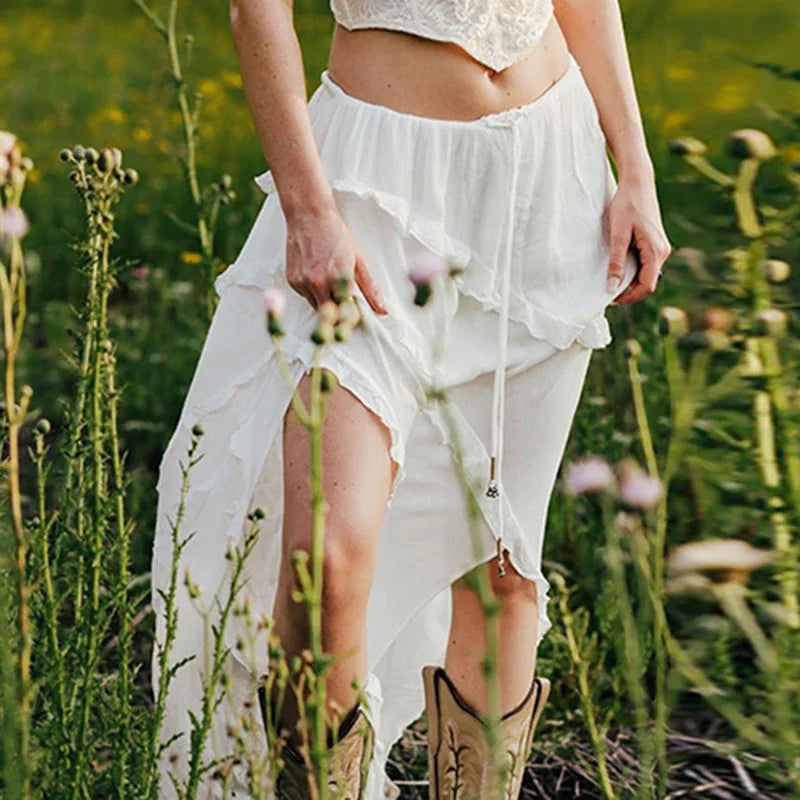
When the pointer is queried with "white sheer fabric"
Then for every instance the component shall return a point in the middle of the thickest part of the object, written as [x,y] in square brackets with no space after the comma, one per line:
[495,32]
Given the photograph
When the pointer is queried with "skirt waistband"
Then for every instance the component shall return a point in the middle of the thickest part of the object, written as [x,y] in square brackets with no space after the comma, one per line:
[502,118]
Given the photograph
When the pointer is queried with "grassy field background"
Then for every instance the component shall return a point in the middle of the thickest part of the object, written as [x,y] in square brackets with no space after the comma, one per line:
[96,73]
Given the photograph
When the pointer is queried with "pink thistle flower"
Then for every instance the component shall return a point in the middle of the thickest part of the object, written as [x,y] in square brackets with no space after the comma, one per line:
[637,488]
[588,474]
[140,272]
[7,142]
[13,223]
[274,302]
[424,268]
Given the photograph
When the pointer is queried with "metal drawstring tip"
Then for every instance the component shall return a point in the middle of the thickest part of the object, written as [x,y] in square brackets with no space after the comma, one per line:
[493,489]
[501,559]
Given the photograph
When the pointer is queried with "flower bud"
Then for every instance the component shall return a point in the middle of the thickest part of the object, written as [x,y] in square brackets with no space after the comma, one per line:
[230,551]
[632,348]
[329,381]
[673,321]
[131,176]
[65,154]
[323,333]
[777,271]
[197,429]
[192,588]
[771,322]
[717,340]
[422,294]
[105,161]
[687,146]
[7,142]
[274,304]
[717,319]
[78,152]
[91,155]
[588,474]
[43,426]
[637,488]
[734,557]
[750,143]
[349,318]
[13,223]
[328,312]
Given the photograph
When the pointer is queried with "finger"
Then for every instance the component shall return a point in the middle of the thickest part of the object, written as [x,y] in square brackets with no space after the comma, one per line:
[317,291]
[635,292]
[620,242]
[369,287]
[300,288]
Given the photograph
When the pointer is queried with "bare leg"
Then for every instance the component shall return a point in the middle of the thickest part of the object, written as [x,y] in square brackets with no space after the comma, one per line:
[357,475]
[466,646]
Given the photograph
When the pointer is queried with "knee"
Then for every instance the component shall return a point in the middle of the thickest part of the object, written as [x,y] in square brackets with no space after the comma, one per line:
[511,587]
[348,561]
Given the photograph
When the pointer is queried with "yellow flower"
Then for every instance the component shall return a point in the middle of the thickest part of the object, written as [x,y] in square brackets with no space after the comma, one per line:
[679,72]
[141,134]
[232,78]
[209,87]
[730,96]
[191,257]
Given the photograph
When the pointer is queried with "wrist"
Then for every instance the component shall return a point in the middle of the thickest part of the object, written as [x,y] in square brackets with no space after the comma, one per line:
[634,165]
[298,205]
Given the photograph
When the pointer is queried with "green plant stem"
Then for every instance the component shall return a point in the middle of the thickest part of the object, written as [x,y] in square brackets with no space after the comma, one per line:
[581,665]
[124,611]
[743,202]
[631,656]
[170,624]
[12,284]
[480,584]
[51,613]
[204,222]
[640,410]
[318,509]
[98,329]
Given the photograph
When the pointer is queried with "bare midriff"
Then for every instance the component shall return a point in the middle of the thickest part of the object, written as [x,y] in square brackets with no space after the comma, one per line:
[438,79]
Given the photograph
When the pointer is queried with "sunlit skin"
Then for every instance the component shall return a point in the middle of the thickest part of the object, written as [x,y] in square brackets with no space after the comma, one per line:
[435,79]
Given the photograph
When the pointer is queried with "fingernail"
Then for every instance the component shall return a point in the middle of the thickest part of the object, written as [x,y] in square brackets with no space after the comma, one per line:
[612,284]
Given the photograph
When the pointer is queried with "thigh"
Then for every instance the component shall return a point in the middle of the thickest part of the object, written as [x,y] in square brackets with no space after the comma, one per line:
[357,471]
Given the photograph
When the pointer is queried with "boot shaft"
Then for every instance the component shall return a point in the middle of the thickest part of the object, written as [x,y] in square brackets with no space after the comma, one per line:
[459,754]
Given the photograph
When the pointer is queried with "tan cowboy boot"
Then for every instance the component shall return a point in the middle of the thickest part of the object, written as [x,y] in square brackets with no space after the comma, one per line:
[348,760]
[459,756]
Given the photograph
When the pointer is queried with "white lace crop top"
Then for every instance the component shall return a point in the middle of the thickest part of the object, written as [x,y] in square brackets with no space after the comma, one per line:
[495,32]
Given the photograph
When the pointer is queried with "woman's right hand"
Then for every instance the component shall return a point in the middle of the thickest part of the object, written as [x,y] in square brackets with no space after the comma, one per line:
[320,249]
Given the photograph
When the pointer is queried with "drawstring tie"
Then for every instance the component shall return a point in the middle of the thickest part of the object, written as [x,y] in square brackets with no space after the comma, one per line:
[495,483]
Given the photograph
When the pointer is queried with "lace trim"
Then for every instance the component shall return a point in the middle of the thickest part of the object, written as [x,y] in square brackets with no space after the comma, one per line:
[496,33]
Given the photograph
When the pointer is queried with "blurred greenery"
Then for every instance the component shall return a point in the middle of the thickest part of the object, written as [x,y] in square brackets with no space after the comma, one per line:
[85,71]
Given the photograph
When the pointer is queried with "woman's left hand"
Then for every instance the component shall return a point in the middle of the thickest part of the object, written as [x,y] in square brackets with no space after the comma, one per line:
[634,221]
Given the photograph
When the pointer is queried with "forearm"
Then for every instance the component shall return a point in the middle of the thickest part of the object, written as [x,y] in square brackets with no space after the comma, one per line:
[594,32]
[271,65]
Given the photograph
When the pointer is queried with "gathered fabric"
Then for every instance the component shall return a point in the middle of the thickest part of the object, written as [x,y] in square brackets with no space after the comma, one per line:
[515,201]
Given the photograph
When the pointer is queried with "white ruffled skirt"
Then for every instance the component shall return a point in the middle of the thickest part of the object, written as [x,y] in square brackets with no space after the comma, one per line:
[516,199]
